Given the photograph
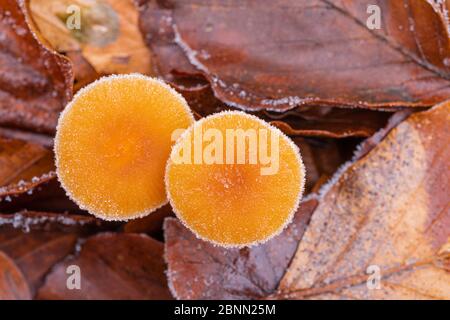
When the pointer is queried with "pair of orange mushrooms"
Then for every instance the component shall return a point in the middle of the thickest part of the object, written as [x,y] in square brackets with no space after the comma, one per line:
[117,156]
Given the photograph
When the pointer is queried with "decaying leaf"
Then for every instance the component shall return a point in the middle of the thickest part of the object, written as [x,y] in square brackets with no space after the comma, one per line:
[278,55]
[330,122]
[83,71]
[151,224]
[113,266]
[38,240]
[21,160]
[155,23]
[42,139]
[200,270]
[13,285]
[35,82]
[23,167]
[108,36]
[156,20]
[388,211]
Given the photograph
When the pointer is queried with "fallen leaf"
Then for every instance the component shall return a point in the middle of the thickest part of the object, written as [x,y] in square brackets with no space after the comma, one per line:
[108,38]
[38,240]
[318,121]
[24,189]
[151,224]
[21,160]
[83,71]
[35,82]
[276,55]
[155,23]
[113,266]
[24,168]
[330,122]
[13,285]
[44,140]
[200,270]
[388,211]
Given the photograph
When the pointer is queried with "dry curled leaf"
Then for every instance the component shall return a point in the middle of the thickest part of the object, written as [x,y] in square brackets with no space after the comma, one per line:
[277,55]
[200,270]
[389,209]
[35,82]
[38,240]
[13,285]
[113,266]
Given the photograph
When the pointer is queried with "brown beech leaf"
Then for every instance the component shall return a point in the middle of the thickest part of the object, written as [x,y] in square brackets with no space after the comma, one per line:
[151,224]
[38,240]
[330,122]
[21,160]
[155,23]
[199,270]
[24,167]
[84,72]
[35,82]
[388,211]
[42,139]
[108,38]
[43,193]
[277,55]
[113,266]
[19,193]
[13,285]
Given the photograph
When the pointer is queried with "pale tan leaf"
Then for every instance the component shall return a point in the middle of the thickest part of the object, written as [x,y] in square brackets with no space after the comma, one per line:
[390,209]
[109,37]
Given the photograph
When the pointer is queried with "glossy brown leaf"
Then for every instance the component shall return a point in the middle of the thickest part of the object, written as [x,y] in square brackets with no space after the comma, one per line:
[35,82]
[37,240]
[390,209]
[278,55]
[113,266]
[13,285]
[199,270]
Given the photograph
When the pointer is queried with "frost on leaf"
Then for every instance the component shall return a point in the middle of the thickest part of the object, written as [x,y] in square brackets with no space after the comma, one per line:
[113,266]
[262,55]
[35,82]
[38,240]
[200,270]
[24,166]
[389,209]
